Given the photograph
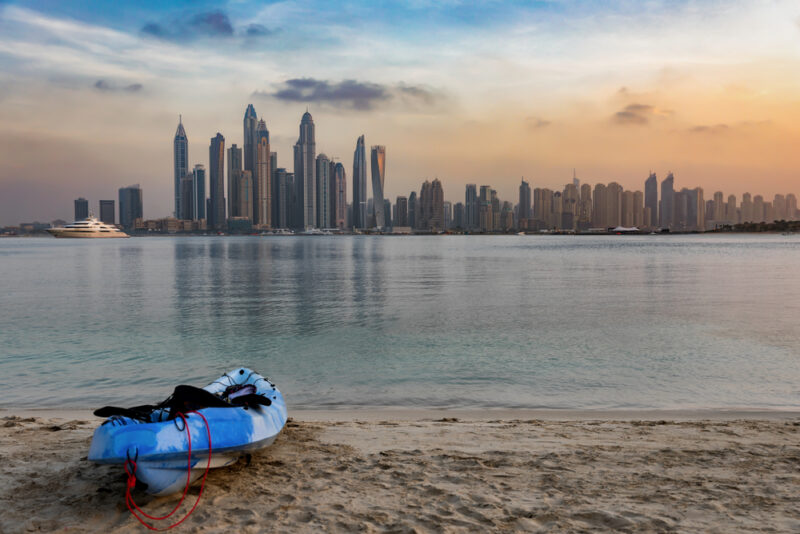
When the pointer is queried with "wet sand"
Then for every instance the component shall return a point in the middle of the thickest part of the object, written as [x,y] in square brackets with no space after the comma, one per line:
[401,471]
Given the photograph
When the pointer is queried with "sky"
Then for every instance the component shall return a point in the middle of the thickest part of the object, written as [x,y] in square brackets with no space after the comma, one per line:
[483,92]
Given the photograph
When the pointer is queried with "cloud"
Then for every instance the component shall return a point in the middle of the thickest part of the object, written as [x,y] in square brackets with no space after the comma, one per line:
[258,30]
[639,114]
[209,24]
[351,94]
[536,123]
[102,85]
[710,129]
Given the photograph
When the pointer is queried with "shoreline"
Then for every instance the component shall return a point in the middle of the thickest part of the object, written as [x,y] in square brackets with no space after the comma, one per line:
[403,414]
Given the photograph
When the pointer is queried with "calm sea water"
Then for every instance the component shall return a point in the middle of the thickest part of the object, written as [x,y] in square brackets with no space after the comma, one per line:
[469,322]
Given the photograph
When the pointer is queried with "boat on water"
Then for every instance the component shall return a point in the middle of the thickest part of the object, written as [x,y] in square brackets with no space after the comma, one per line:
[193,430]
[89,227]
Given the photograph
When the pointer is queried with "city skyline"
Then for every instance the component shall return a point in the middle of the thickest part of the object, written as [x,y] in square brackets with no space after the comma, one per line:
[465,92]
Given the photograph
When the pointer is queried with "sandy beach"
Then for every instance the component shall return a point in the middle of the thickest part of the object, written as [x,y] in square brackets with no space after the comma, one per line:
[383,471]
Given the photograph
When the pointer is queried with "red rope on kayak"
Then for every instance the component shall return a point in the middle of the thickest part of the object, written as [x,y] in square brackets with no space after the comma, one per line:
[133,507]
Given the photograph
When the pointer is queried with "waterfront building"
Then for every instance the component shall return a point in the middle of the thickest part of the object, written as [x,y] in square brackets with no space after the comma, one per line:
[485,215]
[250,140]
[305,152]
[758,209]
[447,214]
[524,201]
[651,200]
[81,209]
[216,182]
[746,211]
[471,207]
[667,204]
[791,206]
[274,194]
[627,210]
[387,210]
[507,216]
[556,216]
[378,159]
[600,207]
[680,219]
[292,210]
[585,209]
[187,198]
[430,215]
[696,208]
[542,209]
[412,209]
[262,178]
[360,185]
[281,211]
[198,198]
[719,208]
[638,209]
[234,176]
[130,205]
[323,186]
[245,196]
[180,150]
[458,215]
[107,211]
[614,205]
[779,207]
[339,212]
[401,211]
[731,213]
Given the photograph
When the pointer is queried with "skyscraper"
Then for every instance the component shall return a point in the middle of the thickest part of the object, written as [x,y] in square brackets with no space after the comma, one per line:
[471,207]
[323,176]
[378,157]
[339,196]
[274,194]
[651,199]
[281,206]
[304,173]
[107,211]
[524,201]
[412,209]
[447,214]
[401,211]
[216,182]
[360,185]
[198,192]
[262,187]
[234,176]
[130,205]
[81,209]
[667,206]
[180,146]
[245,195]
[250,140]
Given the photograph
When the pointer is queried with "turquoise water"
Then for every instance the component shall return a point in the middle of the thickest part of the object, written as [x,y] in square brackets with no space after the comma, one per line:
[457,321]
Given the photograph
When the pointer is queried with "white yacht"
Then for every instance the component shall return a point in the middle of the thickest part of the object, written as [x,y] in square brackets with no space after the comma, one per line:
[89,227]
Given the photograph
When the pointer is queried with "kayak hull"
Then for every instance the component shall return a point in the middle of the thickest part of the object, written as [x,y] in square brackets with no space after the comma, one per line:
[160,449]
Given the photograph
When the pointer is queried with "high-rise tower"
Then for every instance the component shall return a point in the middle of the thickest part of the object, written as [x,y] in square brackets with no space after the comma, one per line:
[250,141]
[180,147]
[216,181]
[339,196]
[360,185]
[524,200]
[262,178]
[378,157]
[667,208]
[651,199]
[304,174]
[234,176]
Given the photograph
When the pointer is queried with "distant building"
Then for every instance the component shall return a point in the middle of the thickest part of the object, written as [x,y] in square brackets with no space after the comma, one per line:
[198,192]
[447,214]
[245,196]
[485,215]
[180,148]
[339,196]
[360,185]
[130,205]
[471,207]
[81,208]
[458,215]
[524,201]
[250,124]
[234,176]
[282,206]
[378,158]
[667,204]
[305,151]
[651,199]
[401,211]
[412,209]
[216,182]
[262,187]
[107,211]
[430,213]
[324,193]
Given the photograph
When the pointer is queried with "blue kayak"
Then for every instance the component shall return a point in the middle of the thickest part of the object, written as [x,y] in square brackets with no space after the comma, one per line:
[244,410]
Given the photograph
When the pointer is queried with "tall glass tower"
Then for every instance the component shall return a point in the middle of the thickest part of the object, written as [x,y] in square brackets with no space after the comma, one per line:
[216,181]
[360,185]
[181,162]
[262,178]
[250,152]
[304,174]
[651,199]
[378,157]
